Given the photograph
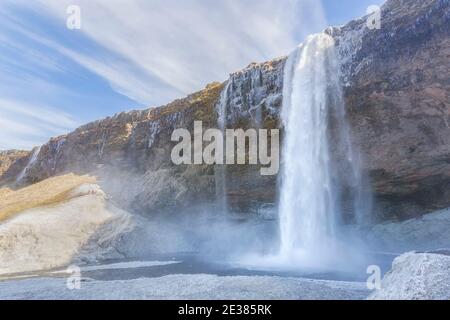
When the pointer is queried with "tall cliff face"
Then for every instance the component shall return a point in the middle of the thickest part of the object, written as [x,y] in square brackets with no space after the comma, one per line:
[398,98]
[397,91]
[252,99]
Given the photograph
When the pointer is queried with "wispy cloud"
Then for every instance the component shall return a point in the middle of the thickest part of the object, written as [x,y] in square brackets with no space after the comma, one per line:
[182,45]
[151,51]
[24,125]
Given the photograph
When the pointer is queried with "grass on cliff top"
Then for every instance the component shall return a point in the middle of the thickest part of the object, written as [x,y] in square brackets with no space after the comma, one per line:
[203,98]
[48,192]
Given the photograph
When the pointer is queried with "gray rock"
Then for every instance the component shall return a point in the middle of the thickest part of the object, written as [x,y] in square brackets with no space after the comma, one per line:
[415,276]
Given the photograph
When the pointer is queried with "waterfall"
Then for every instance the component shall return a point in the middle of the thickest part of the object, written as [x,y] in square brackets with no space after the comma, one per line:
[220,170]
[310,209]
[57,150]
[30,164]
[101,147]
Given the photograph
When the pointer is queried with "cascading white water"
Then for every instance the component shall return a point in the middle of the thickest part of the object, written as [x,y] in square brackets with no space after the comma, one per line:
[309,209]
[220,170]
[30,164]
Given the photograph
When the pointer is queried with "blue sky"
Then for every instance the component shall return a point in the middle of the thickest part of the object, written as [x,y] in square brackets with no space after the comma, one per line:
[132,54]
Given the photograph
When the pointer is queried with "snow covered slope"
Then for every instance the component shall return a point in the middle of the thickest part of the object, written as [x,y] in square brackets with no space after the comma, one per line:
[50,236]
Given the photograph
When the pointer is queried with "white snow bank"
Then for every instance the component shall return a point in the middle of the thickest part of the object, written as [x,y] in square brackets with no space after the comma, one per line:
[87,189]
[50,237]
[429,232]
[185,287]
[415,276]
[123,265]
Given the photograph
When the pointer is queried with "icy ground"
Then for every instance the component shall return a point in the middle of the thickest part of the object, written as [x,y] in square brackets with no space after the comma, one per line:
[414,276]
[178,286]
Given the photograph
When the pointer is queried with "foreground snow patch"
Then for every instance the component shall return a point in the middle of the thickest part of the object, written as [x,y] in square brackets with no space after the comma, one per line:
[49,237]
[424,276]
[185,287]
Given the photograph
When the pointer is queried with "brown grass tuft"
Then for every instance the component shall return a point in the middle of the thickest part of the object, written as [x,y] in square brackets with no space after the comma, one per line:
[48,192]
